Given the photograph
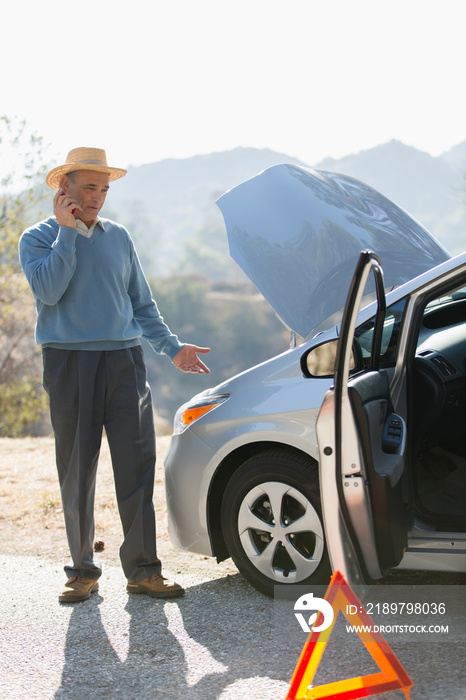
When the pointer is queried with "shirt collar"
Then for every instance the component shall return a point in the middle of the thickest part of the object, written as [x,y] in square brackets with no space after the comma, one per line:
[84,231]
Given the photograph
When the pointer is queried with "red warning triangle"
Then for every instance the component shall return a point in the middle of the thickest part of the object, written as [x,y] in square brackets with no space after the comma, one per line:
[392,675]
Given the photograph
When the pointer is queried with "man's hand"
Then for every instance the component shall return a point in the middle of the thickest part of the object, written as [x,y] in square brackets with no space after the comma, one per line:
[188,361]
[64,208]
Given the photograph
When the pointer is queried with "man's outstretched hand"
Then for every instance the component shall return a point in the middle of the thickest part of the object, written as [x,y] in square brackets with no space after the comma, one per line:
[188,361]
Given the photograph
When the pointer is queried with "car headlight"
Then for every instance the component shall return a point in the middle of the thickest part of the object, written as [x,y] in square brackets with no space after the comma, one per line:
[194,409]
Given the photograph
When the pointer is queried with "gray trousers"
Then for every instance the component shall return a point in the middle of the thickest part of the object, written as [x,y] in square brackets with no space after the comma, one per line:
[89,391]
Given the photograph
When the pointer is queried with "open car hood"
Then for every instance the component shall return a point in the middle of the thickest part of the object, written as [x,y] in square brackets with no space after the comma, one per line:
[297,233]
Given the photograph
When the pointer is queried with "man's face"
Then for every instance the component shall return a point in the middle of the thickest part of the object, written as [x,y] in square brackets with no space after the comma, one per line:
[89,189]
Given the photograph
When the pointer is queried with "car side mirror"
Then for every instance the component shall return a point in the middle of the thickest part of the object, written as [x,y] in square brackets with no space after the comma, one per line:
[320,361]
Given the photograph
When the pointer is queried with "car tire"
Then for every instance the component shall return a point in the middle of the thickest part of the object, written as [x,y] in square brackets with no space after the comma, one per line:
[265,505]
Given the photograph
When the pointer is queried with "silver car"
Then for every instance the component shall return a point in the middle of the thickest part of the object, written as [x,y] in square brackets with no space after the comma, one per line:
[381,481]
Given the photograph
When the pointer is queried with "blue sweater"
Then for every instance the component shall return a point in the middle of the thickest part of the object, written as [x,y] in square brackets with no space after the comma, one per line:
[91,293]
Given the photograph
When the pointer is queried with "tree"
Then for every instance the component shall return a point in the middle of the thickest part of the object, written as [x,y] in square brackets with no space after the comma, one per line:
[233,320]
[22,401]
[206,251]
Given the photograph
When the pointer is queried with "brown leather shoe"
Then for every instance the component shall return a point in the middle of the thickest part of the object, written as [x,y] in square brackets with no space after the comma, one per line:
[157,586]
[77,588]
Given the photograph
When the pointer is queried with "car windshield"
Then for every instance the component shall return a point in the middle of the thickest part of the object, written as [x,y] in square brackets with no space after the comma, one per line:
[456,295]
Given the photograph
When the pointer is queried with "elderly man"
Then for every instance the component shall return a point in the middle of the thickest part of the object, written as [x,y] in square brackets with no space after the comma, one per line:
[93,306]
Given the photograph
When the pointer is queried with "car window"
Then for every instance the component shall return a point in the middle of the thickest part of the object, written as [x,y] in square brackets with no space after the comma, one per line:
[390,336]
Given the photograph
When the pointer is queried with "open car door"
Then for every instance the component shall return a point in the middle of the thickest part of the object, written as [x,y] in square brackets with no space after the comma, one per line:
[362,445]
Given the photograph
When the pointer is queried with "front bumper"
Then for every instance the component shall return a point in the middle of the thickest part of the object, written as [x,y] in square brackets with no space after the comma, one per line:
[189,465]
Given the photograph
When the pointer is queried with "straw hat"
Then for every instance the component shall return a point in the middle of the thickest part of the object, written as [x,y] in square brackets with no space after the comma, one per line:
[83,159]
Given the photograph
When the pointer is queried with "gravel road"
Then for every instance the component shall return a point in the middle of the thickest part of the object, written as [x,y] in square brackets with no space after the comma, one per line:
[213,643]
[220,641]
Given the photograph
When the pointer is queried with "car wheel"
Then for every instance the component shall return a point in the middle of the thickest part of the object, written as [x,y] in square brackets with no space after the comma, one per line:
[272,521]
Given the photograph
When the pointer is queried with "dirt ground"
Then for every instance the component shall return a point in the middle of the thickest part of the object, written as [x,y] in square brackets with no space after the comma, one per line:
[31,517]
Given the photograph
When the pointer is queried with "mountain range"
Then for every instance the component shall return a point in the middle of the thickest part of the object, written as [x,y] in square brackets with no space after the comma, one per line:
[170,208]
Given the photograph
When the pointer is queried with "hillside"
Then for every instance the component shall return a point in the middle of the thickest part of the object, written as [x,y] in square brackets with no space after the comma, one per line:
[170,190]
[430,189]
[170,205]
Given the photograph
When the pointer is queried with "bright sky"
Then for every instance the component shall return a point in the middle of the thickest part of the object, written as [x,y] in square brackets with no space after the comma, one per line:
[154,79]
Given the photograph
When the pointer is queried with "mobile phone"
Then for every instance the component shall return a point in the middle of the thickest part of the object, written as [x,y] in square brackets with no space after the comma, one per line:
[73,211]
